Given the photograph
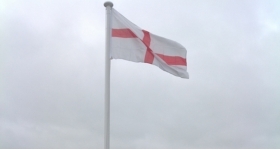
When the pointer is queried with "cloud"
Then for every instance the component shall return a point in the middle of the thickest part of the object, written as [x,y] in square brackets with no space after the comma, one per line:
[52,76]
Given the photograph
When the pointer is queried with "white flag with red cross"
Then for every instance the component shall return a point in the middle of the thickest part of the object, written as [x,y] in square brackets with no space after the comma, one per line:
[129,42]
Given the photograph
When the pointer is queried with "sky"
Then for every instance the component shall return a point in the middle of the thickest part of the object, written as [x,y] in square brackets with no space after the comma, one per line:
[52,55]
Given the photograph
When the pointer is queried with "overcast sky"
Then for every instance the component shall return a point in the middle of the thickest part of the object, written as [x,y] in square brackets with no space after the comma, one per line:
[52,76]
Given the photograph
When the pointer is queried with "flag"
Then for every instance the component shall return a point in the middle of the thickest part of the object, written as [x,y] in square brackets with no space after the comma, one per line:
[129,42]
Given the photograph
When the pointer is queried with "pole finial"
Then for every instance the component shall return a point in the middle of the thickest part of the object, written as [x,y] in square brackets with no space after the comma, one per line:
[108,3]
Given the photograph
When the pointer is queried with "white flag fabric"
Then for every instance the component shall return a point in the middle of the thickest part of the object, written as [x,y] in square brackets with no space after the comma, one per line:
[129,42]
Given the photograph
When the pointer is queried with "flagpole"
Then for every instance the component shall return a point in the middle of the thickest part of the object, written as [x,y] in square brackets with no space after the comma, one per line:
[108,6]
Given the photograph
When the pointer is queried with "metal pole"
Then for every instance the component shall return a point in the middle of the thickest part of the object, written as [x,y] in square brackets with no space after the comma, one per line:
[108,6]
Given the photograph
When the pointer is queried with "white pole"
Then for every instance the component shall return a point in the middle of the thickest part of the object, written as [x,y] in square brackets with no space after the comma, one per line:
[108,6]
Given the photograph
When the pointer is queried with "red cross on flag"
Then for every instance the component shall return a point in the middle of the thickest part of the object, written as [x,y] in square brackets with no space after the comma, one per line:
[129,42]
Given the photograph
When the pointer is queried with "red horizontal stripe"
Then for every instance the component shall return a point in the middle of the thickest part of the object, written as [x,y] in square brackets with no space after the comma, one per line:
[173,60]
[123,33]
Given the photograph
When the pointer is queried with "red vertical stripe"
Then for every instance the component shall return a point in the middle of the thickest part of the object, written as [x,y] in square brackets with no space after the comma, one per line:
[147,38]
[149,56]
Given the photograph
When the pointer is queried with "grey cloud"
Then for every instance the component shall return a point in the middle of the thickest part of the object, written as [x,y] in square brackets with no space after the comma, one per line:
[52,76]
